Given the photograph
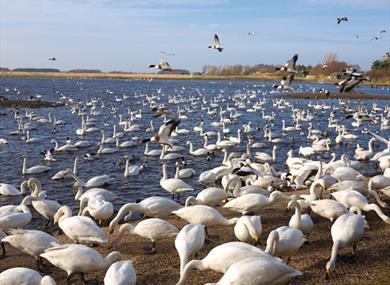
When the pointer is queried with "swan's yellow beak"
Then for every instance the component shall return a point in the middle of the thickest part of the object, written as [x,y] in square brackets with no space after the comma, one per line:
[257,238]
[111,231]
[388,222]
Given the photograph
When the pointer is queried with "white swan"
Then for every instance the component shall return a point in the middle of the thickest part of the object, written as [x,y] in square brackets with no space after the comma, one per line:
[133,170]
[94,182]
[153,229]
[34,169]
[16,219]
[347,230]
[253,203]
[79,229]
[221,257]
[189,240]
[62,173]
[285,241]
[155,206]
[257,271]
[211,196]
[183,173]
[23,276]
[264,157]
[201,214]
[328,209]
[298,221]
[68,258]
[248,229]
[350,198]
[98,208]
[153,152]
[362,154]
[31,242]
[10,190]
[121,273]
[197,152]
[173,185]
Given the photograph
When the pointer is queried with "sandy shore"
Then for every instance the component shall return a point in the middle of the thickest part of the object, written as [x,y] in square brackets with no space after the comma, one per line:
[370,266]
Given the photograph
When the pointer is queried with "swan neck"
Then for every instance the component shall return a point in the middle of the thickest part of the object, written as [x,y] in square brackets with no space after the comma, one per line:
[127,168]
[198,264]
[75,166]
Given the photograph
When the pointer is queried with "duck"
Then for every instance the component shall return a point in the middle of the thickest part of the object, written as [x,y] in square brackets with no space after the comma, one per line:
[154,229]
[190,240]
[78,228]
[347,230]
[67,258]
[205,215]
[10,190]
[248,229]
[304,223]
[34,169]
[155,206]
[175,186]
[257,271]
[121,273]
[23,275]
[285,241]
[253,203]
[221,257]
[31,242]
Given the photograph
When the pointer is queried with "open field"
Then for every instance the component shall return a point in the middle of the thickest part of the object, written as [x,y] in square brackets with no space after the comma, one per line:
[369,266]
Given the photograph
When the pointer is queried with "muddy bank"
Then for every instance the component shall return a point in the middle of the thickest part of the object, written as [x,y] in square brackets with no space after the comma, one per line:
[313,96]
[28,104]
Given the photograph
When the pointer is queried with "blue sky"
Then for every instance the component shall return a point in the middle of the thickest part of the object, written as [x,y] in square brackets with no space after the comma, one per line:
[128,35]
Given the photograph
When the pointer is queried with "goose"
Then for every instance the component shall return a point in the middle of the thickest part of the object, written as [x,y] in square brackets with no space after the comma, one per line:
[31,242]
[18,217]
[189,240]
[217,44]
[285,241]
[48,155]
[23,276]
[298,221]
[10,190]
[350,198]
[183,173]
[164,133]
[133,170]
[47,208]
[197,152]
[34,169]
[221,257]
[347,230]
[264,157]
[154,229]
[212,196]
[67,258]
[155,206]
[257,271]
[163,65]
[248,229]
[205,215]
[62,173]
[79,229]
[153,152]
[290,66]
[253,203]
[98,208]
[121,273]
[173,185]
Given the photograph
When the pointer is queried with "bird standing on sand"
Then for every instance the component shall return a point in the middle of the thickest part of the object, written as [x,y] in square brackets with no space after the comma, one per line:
[163,65]
[164,133]
[217,44]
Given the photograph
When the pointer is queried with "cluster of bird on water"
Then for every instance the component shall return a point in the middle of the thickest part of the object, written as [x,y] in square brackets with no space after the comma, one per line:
[244,183]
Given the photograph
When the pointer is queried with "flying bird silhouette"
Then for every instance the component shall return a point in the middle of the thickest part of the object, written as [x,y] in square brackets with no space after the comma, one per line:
[217,44]
[341,19]
[290,65]
[163,65]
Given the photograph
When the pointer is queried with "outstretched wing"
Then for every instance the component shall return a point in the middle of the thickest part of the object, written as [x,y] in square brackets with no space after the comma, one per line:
[292,62]
[167,128]
[379,138]
[289,80]
[216,40]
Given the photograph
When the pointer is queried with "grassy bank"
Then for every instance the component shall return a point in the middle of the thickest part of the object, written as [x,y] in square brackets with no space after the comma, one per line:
[258,76]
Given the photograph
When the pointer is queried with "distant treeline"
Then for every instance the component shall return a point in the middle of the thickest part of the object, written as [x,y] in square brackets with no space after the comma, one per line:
[176,71]
[380,70]
[36,70]
[239,69]
[85,71]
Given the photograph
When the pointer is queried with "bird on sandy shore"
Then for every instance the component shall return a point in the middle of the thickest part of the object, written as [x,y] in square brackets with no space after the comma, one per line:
[341,19]
[163,65]
[217,44]
[290,65]
[164,133]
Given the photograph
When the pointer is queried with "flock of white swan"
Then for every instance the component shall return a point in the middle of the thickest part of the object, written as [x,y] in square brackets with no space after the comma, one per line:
[244,182]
